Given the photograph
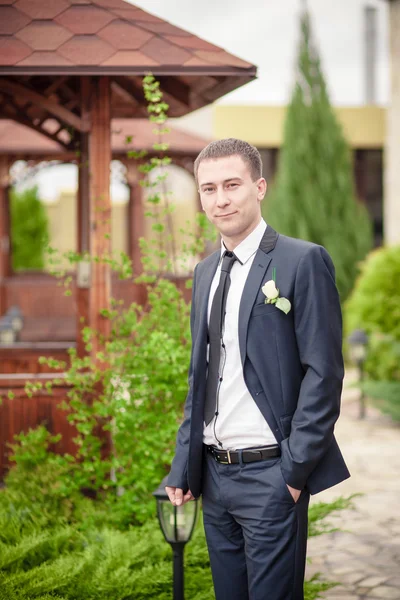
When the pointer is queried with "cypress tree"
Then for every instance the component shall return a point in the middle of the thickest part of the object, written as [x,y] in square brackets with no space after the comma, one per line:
[313,195]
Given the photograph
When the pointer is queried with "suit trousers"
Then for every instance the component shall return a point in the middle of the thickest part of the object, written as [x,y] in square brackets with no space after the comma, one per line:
[256,534]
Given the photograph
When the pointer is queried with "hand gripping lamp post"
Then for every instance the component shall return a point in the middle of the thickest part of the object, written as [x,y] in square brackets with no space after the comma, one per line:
[358,342]
[177,524]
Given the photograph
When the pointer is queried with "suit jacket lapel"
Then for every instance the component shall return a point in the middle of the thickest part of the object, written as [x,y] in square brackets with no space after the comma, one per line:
[203,288]
[254,280]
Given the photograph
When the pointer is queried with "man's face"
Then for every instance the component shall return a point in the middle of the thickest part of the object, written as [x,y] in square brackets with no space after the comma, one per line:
[229,196]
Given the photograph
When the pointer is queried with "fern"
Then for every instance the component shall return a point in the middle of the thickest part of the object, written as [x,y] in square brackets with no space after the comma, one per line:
[319,511]
[33,549]
[45,578]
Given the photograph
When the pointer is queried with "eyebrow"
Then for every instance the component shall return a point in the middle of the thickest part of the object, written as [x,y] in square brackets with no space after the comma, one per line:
[224,182]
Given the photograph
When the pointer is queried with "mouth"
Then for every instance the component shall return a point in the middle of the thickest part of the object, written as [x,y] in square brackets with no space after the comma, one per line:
[225,215]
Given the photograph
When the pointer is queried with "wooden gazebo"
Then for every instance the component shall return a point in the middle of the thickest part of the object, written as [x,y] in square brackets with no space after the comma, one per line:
[67,69]
[47,315]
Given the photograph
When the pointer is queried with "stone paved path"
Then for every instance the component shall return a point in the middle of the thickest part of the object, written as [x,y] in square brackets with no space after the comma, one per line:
[365,558]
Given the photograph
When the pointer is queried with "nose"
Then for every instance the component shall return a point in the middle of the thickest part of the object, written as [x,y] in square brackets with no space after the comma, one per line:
[222,198]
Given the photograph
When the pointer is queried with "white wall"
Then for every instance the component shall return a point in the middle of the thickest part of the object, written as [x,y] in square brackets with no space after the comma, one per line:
[265,33]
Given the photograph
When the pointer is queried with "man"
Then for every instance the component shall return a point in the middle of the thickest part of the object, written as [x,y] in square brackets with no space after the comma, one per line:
[265,382]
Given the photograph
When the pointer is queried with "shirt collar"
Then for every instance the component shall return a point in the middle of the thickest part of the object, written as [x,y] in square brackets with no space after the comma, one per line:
[249,246]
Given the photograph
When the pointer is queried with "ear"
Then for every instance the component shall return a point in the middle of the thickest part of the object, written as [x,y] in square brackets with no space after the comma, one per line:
[261,188]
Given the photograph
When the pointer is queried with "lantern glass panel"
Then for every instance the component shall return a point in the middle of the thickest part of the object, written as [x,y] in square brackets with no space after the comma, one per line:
[177,522]
[165,513]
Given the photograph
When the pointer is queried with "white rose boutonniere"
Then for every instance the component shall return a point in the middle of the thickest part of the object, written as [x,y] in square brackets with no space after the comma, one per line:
[271,293]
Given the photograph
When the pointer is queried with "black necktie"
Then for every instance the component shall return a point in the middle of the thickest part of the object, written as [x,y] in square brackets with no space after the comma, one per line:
[215,328]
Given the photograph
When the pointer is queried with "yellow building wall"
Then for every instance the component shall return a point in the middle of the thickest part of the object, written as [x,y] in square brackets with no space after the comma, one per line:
[182,194]
[262,126]
[62,218]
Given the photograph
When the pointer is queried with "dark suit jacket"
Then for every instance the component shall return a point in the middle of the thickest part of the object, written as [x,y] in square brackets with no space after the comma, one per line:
[292,363]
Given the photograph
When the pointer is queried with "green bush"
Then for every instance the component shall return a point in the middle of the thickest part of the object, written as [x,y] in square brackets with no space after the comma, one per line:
[144,385]
[91,560]
[105,563]
[143,377]
[55,541]
[43,488]
[386,396]
[29,229]
[374,306]
[129,401]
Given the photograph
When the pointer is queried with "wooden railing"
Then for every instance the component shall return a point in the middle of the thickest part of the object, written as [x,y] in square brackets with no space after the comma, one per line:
[23,413]
[23,357]
[49,315]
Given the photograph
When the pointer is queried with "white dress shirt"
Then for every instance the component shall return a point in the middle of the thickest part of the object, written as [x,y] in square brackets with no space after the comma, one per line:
[239,423]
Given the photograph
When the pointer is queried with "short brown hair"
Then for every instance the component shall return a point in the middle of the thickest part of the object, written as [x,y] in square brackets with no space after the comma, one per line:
[231,147]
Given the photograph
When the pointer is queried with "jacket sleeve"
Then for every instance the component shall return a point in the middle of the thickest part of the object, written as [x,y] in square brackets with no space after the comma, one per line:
[318,329]
[178,474]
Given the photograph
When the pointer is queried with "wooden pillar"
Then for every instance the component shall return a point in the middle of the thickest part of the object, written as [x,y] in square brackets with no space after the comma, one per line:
[83,220]
[4,230]
[136,224]
[100,206]
[392,148]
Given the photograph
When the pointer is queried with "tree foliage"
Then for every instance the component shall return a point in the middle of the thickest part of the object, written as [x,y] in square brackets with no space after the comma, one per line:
[374,306]
[29,229]
[313,194]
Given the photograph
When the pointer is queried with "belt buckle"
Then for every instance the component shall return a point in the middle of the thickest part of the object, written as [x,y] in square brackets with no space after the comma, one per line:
[228,453]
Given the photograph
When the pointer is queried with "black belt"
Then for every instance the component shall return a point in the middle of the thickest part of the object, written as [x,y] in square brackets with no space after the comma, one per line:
[231,457]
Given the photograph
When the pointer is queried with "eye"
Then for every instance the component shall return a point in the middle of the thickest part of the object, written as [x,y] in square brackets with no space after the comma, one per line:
[232,185]
[207,190]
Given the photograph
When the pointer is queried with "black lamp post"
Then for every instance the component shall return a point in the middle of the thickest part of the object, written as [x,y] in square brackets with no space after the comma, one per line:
[177,524]
[358,342]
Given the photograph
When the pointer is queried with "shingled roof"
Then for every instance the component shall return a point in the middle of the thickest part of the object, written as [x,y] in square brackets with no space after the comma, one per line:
[103,37]
[50,50]
[21,142]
